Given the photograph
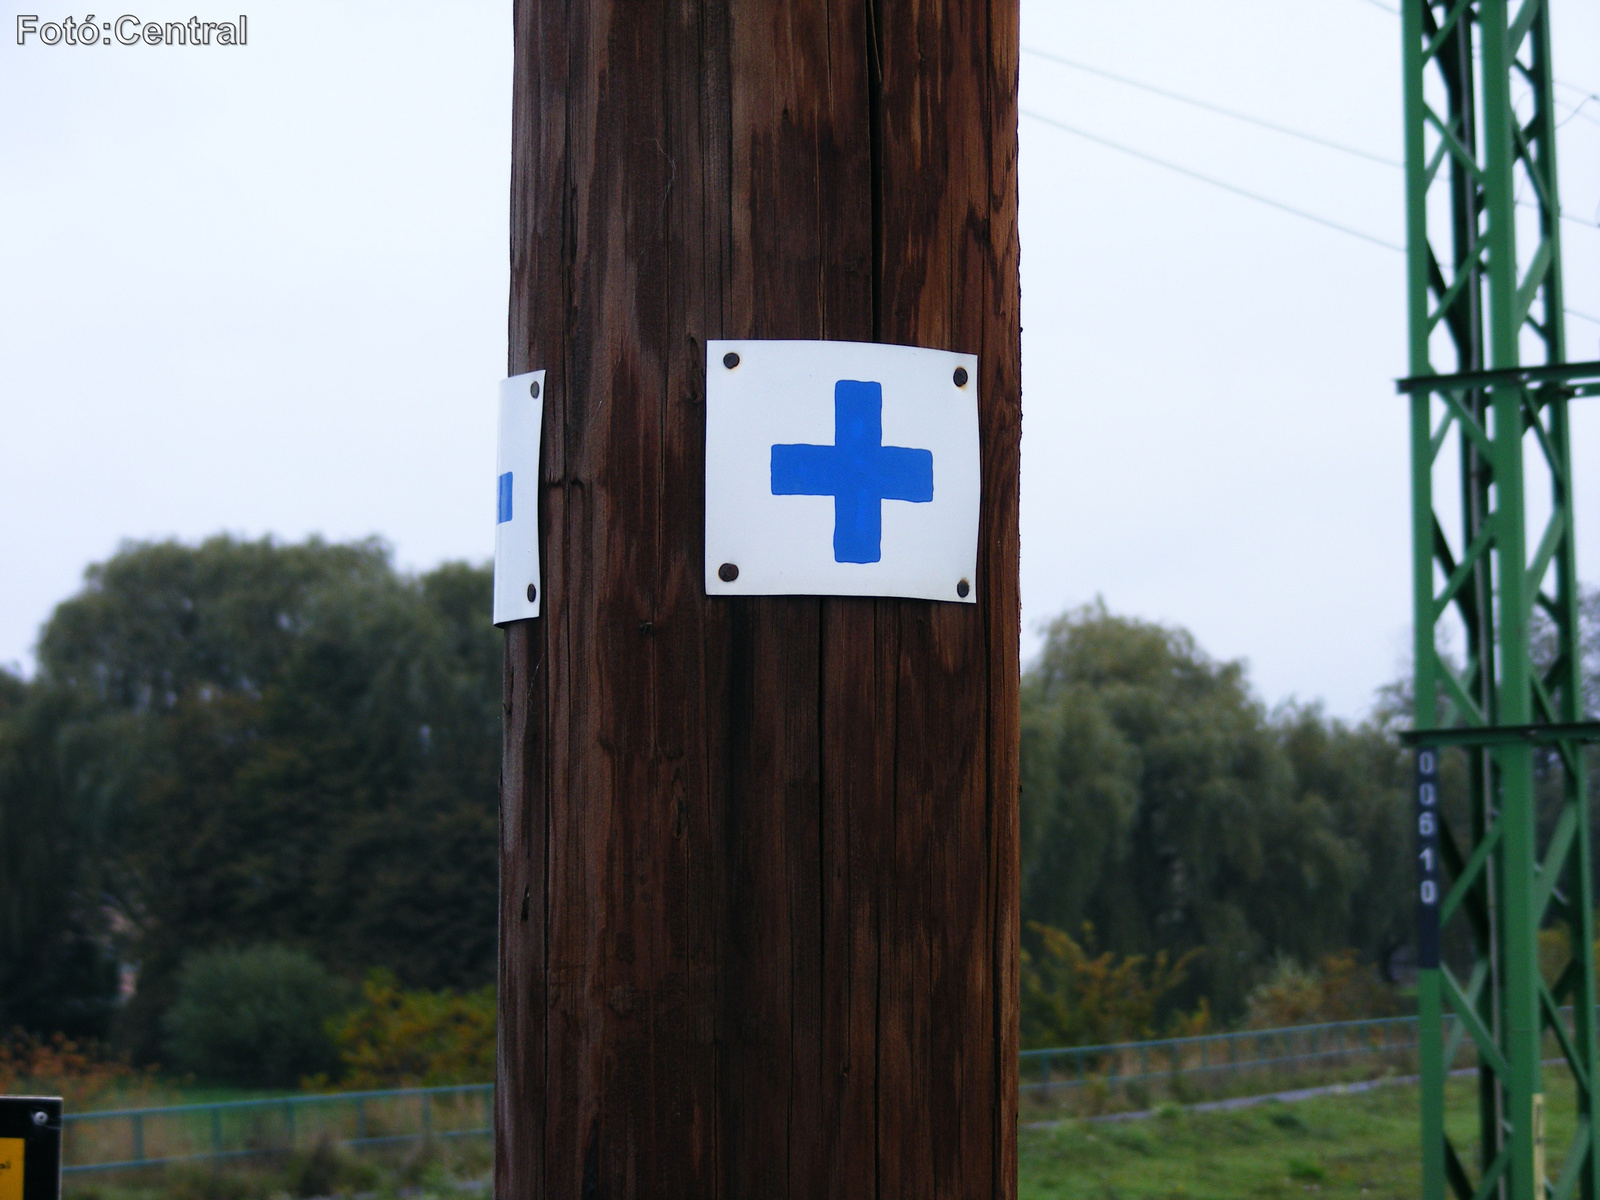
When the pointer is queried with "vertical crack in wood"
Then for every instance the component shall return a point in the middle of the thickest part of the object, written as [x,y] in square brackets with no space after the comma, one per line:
[875,135]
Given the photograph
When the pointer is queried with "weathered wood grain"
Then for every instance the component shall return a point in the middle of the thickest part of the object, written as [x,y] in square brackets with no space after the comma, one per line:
[759,861]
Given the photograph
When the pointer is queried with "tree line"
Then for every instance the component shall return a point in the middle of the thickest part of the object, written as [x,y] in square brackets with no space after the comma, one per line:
[247,743]
[1166,809]
[1235,852]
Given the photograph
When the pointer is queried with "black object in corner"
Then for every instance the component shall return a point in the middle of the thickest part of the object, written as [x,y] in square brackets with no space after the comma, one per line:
[31,1125]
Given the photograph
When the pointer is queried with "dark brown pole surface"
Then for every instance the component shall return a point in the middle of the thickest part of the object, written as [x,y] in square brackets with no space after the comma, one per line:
[758,921]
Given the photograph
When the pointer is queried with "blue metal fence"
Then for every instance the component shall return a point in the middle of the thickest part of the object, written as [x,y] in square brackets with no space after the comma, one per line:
[1108,1076]
[1215,1057]
[123,1139]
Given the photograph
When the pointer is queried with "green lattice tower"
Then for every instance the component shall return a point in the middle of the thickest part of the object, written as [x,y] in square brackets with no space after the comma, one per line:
[1490,432]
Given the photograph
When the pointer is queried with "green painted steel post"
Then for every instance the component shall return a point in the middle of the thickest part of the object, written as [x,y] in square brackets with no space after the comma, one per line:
[1569,684]
[1521,1095]
[1429,1008]
[1477,296]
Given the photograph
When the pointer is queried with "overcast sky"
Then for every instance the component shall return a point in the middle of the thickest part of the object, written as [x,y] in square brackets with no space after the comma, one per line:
[263,290]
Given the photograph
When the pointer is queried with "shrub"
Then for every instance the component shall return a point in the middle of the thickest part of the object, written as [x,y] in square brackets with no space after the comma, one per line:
[254,1017]
[1338,988]
[1290,995]
[399,1038]
[1072,997]
[327,1169]
[186,1181]
[83,1073]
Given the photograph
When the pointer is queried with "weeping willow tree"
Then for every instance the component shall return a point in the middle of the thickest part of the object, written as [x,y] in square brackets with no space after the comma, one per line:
[58,961]
[1164,804]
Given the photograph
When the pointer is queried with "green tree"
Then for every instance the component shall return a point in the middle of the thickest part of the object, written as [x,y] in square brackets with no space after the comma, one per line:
[1207,772]
[1080,796]
[1161,803]
[1352,790]
[58,969]
[293,744]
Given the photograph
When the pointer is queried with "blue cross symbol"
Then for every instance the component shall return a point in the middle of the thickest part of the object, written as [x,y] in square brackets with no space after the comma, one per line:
[503,513]
[858,471]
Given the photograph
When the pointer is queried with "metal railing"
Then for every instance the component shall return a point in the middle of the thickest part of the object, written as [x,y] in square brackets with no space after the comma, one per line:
[1092,1077]
[1136,1074]
[131,1138]
[1299,1048]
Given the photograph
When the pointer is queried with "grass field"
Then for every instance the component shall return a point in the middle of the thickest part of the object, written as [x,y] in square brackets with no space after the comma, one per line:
[1362,1145]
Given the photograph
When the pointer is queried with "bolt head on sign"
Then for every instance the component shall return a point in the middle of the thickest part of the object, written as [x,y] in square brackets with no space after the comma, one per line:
[841,469]
[517,587]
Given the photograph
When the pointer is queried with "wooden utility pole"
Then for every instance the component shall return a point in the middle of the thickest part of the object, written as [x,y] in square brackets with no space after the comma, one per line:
[758,923]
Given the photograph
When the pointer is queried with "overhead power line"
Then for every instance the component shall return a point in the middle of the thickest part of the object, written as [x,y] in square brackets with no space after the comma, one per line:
[1214,182]
[1584,94]
[1578,112]
[1236,190]
[1196,102]
[1265,124]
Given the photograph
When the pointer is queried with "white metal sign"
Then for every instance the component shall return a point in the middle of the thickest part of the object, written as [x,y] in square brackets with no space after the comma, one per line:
[516,531]
[841,468]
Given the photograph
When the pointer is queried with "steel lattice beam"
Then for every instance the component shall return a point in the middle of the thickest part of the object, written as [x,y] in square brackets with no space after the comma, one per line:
[1484,293]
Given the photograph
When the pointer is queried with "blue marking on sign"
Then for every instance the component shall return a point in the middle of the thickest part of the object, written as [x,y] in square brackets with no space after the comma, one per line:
[505,499]
[858,471]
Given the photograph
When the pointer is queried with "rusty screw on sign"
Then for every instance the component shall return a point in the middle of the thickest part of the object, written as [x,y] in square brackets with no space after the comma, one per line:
[730,360]
[727,572]
[960,377]
[963,588]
